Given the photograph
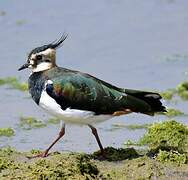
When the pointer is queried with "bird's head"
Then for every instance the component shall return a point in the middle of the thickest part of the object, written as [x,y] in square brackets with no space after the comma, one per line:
[44,57]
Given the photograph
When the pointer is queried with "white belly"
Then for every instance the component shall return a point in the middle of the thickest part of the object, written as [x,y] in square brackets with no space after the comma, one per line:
[70,115]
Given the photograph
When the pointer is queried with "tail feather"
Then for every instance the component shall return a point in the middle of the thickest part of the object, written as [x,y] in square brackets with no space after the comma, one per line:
[150,98]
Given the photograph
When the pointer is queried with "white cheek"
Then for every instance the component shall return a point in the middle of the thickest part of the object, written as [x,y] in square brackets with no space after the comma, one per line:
[42,67]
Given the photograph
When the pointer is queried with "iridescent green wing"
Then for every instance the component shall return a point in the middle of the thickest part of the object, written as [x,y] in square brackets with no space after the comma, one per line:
[72,89]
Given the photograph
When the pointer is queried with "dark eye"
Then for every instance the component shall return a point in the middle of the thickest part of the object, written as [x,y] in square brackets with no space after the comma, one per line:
[47,60]
[39,57]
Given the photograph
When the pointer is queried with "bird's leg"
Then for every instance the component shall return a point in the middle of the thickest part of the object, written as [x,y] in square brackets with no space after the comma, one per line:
[61,134]
[94,132]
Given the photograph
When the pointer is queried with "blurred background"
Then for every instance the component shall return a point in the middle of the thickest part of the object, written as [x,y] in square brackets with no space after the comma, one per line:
[130,43]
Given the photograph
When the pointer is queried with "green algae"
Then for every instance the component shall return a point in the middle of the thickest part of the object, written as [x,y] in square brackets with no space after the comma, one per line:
[69,166]
[167,134]
[168,94]
[20,22]
[171,112]
[172,157]
[58,166]
[131,143]
[16,165]
[142,168]
[182,90]
[35,151]
[8,80]
[53,120]
[28,123]
[14,83]
[86,167]
[7,150]
[131,126]
[113,154]
[5,159]
[176,57]
[8,132]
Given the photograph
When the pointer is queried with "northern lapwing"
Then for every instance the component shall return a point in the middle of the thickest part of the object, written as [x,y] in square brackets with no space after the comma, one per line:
[78,97]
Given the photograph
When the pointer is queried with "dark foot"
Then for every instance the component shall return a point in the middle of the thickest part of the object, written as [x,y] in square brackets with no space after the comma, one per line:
[103,153]
[100,155]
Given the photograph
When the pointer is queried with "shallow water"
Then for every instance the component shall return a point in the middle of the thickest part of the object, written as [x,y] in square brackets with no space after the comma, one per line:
[133,44]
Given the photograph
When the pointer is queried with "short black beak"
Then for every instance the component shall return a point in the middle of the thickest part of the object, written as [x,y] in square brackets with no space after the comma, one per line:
[24,67]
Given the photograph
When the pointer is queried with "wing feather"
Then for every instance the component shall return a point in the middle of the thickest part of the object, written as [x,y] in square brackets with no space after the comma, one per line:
[79,91]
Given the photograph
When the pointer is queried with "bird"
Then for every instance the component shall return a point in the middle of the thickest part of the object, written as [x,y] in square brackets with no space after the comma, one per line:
[80,98]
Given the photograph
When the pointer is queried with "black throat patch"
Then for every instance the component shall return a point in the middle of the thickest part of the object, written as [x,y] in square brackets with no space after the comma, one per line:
[36,85]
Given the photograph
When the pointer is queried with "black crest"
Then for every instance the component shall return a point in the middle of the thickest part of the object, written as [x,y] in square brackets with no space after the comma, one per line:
[54,45]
